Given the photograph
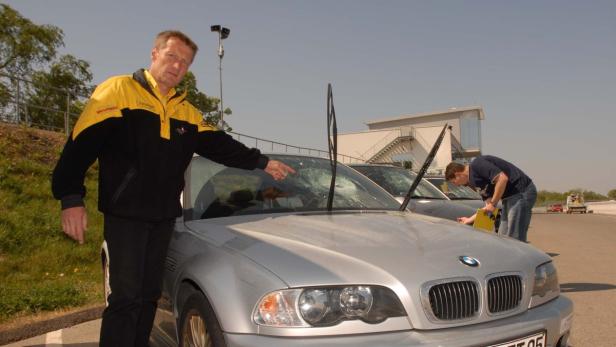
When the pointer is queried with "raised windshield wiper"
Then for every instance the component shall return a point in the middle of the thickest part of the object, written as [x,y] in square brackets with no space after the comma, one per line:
[424,168]
[332,140]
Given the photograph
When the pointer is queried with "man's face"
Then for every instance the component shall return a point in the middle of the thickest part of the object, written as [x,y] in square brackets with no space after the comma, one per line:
[461,179]
[170,63]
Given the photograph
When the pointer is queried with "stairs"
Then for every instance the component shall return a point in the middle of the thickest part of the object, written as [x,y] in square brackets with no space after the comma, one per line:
[387,149]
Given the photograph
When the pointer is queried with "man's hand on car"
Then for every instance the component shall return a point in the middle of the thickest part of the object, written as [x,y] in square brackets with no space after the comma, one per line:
[466,220]
[278,170]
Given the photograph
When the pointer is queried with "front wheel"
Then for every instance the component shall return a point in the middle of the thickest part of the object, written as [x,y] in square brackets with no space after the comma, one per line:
[198,324]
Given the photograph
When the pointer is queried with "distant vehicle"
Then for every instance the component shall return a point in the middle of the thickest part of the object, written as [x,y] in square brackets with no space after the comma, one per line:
[555,208]
[427,199]
[575,203]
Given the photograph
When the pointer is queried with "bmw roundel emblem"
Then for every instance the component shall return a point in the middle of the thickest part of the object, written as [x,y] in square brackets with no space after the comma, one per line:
[470,261]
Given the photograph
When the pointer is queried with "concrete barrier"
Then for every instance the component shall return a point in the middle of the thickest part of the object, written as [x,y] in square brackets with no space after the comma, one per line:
[602,207]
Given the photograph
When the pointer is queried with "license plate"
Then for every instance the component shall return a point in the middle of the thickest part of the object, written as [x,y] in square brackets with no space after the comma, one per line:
[537,340]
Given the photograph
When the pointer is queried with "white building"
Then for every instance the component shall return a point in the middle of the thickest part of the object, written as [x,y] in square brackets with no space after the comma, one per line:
[409,138]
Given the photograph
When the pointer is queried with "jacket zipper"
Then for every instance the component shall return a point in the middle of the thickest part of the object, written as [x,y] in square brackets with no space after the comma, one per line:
[127,178]
[164,120]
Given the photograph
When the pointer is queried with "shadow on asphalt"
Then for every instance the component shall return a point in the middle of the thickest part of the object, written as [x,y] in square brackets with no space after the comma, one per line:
[87,344]
[584,287]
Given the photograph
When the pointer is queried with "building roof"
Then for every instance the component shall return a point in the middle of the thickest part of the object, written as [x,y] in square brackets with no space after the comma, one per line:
[429,114]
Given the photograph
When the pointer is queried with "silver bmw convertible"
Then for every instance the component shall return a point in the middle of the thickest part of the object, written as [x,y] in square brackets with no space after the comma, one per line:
[258,262]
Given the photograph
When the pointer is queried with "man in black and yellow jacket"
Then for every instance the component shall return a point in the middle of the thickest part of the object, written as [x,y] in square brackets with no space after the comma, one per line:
[144,135]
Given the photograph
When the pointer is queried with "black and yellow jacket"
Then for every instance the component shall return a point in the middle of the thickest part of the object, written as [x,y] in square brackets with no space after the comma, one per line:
[143,141]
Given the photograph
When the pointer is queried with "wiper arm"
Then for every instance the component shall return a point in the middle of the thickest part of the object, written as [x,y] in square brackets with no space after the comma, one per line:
[424,168]
[332,139]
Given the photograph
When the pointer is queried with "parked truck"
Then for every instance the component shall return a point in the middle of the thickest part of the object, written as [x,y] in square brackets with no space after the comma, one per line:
[575,203]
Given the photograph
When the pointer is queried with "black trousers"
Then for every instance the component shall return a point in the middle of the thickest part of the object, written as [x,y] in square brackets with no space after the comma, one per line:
[137,252]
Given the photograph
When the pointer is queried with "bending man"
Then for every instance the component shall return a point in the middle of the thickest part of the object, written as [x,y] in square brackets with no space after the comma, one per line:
[498,180]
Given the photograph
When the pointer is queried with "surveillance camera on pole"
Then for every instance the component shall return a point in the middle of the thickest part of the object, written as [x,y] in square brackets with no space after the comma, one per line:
[223,33]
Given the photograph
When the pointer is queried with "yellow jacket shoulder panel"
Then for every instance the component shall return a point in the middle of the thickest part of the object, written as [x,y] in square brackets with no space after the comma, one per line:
[107,101]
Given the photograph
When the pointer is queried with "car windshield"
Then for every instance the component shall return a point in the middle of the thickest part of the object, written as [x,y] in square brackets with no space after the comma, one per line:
[397,181]
[214,190]
[454,192]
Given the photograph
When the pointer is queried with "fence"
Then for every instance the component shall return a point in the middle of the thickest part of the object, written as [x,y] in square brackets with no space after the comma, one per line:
[16,107]
[277,147]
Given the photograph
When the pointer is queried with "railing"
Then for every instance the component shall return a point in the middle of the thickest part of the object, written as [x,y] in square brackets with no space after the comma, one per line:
[386,140]
[278,147]
[15,108]
[377,147]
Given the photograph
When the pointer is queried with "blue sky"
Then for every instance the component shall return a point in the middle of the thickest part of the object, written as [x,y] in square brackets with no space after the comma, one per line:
[544,71]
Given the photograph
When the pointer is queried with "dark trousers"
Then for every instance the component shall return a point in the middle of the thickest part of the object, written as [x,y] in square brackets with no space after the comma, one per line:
[137,252]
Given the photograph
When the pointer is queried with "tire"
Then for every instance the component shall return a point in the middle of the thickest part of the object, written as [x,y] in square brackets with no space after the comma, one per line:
[198,324]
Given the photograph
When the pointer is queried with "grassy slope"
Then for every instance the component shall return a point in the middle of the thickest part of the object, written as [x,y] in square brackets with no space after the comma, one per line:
[40,268]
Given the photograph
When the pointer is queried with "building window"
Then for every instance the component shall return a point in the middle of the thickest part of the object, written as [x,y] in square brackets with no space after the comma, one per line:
[470,131]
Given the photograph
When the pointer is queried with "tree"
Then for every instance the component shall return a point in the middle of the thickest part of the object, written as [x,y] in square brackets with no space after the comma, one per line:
[67,81]
[24,45]
[545,197]
[207,105]
[28,51]
[5,95]
[612,194]
[589,195]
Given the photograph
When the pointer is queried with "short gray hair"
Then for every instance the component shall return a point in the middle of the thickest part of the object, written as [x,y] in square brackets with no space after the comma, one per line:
[164,36]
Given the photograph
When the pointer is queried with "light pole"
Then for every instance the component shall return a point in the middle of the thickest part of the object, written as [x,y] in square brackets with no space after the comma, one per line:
[223,33]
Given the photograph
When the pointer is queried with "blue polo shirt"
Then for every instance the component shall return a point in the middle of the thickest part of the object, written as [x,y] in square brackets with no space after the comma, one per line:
[485,168]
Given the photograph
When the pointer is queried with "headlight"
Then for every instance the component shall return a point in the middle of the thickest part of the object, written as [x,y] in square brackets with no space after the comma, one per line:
[327,306]
[314,305]
[546,285]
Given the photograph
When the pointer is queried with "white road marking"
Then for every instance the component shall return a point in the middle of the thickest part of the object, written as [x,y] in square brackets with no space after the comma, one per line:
[54,337]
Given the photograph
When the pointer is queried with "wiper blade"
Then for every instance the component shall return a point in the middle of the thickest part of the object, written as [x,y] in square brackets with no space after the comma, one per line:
[424,168]
[332,139]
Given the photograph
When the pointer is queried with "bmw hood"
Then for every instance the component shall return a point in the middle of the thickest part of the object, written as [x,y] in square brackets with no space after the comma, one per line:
[387,248]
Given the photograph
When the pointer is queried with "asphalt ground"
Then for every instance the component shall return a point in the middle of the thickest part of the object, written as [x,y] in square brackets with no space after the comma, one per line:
[583,247]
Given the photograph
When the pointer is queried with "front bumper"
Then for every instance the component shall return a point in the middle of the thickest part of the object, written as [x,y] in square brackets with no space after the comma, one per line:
[553,317]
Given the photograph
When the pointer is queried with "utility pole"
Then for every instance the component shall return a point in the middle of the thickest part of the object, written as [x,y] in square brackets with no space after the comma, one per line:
[223,33]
